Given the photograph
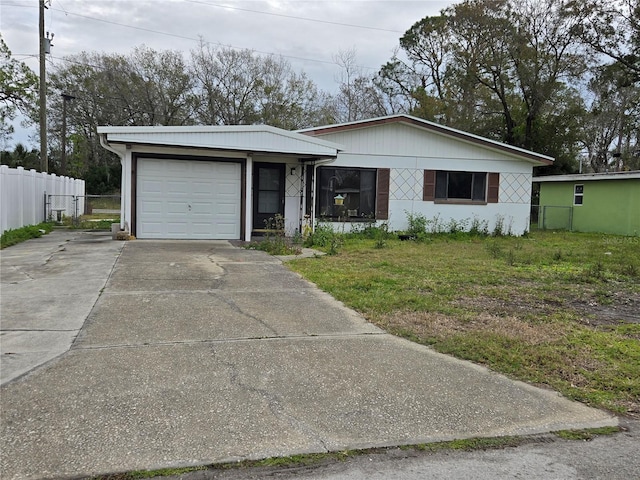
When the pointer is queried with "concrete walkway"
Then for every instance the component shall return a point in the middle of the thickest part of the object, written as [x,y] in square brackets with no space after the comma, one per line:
[48,286]
[199,352]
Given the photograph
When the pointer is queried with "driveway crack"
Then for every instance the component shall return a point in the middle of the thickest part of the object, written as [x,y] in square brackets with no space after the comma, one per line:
[273,401]
[234,306]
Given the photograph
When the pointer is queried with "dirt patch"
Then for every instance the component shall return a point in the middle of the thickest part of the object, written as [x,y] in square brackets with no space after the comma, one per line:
[593,308]
[428,324]
[610,309]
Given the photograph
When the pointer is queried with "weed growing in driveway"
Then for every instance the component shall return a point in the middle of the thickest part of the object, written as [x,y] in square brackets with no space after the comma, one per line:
[570,321]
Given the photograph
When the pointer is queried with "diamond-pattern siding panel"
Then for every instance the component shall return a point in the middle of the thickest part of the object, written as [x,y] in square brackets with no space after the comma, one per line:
[406,184]
[292,182]
[515,188]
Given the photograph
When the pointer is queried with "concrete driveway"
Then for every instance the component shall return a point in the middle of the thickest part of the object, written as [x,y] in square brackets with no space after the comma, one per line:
[200,352]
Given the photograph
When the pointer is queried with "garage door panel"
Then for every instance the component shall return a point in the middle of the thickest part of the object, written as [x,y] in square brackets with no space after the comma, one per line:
[151,186]
[167,188]
[153,229]
[225,231]
[202,169]
[227,209]
[179,189]
[181,208]
[150,206]
[202,208]
[226,190]
[202,188]
[177,228]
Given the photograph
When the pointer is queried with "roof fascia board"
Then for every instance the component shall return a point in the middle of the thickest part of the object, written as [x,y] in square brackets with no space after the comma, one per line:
[226,148]
[114,131]
[588,177]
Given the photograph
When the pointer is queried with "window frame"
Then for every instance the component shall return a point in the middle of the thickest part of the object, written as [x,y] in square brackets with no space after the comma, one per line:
[460,200]
[375,213]
[577,194]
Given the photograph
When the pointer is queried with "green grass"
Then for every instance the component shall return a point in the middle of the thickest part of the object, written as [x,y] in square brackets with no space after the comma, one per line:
[587,434]
[18,235]
[101,221]
[314,459]
[106,202]
[547,309]
[96,223]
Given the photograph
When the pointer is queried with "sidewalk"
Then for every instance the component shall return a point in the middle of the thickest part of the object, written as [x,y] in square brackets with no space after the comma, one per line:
[48,286]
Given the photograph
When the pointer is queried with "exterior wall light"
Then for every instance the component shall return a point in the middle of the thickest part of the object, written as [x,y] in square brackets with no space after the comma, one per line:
[338,200]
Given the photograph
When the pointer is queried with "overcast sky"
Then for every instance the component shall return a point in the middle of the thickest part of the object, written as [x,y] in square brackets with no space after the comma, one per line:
[307,33]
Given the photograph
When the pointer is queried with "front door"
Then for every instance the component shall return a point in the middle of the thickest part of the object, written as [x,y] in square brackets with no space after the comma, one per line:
[268,194]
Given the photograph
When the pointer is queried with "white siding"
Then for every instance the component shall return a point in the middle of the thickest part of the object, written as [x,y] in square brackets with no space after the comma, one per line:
[402,140]
[409,150]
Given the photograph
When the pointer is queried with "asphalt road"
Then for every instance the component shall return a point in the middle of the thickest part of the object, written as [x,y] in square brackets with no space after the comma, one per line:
[541,457]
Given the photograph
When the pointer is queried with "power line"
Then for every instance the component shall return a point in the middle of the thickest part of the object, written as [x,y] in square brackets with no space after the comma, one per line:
[327,22]
[184,37]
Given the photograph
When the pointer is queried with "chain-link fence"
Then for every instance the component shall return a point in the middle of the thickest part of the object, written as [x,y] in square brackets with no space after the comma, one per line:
[534,217]
[101,205]
[76,208]
[59,207]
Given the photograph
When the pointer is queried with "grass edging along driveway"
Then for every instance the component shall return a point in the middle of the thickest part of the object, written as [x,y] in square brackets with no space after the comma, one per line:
[14,236]
[552,309]
[270,466]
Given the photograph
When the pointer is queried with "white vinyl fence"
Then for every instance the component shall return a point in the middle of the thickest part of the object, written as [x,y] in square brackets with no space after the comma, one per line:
[24,193]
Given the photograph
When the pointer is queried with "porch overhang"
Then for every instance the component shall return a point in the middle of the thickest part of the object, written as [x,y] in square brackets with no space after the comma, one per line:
[246,139]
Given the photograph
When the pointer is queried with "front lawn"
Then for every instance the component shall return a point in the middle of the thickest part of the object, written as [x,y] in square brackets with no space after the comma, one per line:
[555,309]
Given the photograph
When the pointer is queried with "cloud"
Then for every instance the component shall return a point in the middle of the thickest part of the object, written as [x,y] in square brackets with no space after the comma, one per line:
[274,26]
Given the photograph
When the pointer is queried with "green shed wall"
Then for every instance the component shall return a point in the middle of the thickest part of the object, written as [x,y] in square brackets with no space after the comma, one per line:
[609,206]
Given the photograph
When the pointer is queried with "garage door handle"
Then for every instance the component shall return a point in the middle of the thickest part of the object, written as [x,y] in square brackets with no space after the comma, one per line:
[189,207]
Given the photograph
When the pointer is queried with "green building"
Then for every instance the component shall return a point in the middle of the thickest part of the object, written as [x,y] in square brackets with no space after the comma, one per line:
[592,202]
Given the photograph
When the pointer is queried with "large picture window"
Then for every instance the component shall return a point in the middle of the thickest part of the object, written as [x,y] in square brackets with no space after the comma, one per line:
[470,186]
[346,193]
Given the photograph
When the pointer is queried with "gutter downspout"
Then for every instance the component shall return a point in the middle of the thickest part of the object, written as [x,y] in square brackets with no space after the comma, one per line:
[316,164]
[105,144]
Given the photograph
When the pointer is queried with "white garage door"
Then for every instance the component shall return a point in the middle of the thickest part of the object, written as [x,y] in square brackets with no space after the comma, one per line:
[188,199]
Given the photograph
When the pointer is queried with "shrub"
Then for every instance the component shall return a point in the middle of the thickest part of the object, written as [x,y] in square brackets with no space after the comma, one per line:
[479,228]
[325,237]
[498,228]
[417,224]
[275,241]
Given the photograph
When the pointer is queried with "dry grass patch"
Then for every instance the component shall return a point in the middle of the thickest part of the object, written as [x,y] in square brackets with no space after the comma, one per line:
[439,326]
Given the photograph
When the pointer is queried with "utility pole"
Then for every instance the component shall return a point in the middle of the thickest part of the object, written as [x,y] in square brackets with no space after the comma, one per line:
[65,98]
[44,161]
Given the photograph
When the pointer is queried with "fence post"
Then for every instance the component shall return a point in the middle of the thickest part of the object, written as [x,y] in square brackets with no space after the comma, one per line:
[571,219]
[4,197]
